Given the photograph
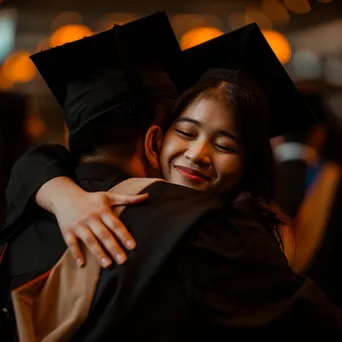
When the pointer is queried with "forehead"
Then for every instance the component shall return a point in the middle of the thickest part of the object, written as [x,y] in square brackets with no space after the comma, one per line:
[211,112]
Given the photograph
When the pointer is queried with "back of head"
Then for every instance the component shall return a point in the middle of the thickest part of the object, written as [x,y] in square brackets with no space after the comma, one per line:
[114,84]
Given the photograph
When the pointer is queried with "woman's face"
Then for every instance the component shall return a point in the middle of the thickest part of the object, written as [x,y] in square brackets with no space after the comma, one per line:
[201,150]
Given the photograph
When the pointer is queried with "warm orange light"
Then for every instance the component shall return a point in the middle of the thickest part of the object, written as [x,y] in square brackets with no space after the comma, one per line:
[276,11]
[19,68]
[35,126]
[279,45]
[198,35]
[5,84]
[68,34]
[298,6]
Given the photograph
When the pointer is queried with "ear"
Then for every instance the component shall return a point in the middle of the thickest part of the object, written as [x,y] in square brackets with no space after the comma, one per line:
[153,143]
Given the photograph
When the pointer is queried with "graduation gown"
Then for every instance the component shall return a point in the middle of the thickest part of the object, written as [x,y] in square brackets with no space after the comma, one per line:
[200,272]
[327,264]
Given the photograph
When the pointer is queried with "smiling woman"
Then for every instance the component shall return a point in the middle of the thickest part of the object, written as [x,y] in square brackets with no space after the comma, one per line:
[202,148]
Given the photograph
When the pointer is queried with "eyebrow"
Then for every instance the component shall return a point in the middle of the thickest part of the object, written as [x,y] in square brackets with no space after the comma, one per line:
[227,134]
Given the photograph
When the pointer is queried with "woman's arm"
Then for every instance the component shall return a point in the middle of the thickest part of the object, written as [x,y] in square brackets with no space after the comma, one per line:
[44,175]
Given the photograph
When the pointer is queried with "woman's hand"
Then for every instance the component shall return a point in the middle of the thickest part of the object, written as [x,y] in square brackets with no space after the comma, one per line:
[89,217]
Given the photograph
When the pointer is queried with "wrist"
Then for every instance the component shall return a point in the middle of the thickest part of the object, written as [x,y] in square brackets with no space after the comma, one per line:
[56,192]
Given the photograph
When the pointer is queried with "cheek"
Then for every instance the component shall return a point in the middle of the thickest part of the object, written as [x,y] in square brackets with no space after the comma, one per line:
[172,147]
[230,167]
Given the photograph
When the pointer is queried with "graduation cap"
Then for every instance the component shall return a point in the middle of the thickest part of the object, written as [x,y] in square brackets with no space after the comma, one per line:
[244,57]
[115,72]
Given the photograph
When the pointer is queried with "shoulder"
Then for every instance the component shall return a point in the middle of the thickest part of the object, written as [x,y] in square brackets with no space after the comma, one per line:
[227,231]
[163,194]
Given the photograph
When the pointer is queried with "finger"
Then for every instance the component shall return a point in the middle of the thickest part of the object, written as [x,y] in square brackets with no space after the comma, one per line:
[108,240]
[119,230]
[73,244]
[118,199]
[90,241]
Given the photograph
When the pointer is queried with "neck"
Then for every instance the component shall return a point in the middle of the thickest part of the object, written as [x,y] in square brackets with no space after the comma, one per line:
[132,165]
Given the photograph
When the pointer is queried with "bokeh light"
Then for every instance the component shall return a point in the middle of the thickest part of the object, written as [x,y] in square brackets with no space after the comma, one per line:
[69,33]
[298,6]
[18,68]
[199,35]
[276,11]
[279,45]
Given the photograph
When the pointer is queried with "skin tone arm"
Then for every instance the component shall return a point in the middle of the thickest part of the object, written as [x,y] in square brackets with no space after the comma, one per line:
[88,217]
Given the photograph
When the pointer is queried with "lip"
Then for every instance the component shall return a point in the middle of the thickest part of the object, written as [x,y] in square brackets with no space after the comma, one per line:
[192,175]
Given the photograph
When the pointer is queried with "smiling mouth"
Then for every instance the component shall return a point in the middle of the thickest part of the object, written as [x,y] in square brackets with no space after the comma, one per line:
[192,175]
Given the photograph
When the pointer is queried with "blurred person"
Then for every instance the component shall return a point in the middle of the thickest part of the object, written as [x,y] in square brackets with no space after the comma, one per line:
[298,155]
[319,220]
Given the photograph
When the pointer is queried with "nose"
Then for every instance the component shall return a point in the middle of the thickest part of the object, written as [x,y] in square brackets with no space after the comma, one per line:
[198,153]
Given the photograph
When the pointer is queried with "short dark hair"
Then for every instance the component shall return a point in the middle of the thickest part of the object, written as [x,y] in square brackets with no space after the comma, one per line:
[121,132]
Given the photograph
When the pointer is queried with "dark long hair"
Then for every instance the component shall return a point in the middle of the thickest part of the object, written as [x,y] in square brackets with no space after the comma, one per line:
[255,193]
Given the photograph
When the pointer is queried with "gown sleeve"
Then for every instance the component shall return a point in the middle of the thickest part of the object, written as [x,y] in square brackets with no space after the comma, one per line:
[237,278]
[36,167]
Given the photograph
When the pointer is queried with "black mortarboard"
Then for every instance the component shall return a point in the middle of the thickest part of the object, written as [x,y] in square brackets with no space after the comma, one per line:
[114,72]
[244,57]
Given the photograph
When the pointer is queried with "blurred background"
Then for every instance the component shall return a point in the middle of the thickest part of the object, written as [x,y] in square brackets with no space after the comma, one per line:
[304,34]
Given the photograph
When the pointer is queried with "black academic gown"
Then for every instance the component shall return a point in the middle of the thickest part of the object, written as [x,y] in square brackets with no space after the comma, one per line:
[290,185]
[199,273]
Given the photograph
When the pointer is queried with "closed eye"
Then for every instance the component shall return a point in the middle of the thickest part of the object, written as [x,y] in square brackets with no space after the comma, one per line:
[226,149]
[184,134]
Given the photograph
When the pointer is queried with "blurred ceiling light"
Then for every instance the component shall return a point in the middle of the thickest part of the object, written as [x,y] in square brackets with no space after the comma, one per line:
[324,1]
[7,32]
[276,11]
[279,44]
[68,34]
[254,15]
[307,64]
[236,20]
[298,6]
[5,84]
[198,35]
[66,18]
[18,68]
[115,18]
[35,126]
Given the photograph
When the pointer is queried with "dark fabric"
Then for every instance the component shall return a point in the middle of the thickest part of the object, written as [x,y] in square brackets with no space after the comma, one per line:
[26,178]
[327,265]
[226,278]
[13,139]
[101,74]
[247,49]
[290,185]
